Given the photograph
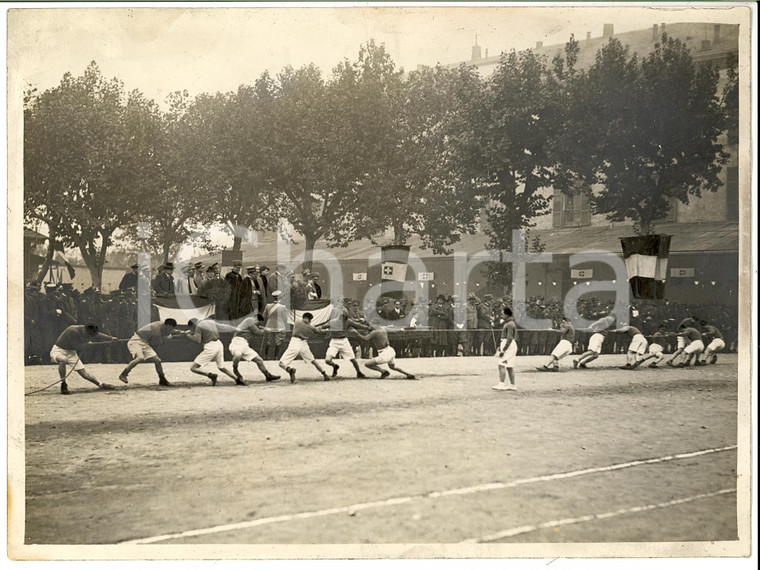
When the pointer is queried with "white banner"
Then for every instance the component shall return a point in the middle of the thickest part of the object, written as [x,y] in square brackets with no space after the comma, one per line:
[320,315]
[682,272]
[360,276]
[581,273]
[184,315]
[426,276]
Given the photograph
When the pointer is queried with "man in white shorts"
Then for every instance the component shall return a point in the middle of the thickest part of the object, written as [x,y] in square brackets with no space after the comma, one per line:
[141,344]
[694,345]
[656,349]
[637,347]
[206,334]
[681,341]
[716,343]
[339,345]
[564,346]
[600,332]
[241,347]
[507,353]
[303,331]
[378,337]
[65,352]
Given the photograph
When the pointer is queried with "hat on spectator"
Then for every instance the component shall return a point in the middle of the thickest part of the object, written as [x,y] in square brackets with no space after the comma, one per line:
[263,268]
[213,267]
[472,297]
[237,263]
[276,293]
[169,265]
[250,268]
[134,266]
[487,297]
[198,265]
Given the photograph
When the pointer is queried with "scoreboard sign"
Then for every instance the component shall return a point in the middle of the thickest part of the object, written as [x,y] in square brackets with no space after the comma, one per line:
[426,277]
[581,273]
[682,272]
[360,276]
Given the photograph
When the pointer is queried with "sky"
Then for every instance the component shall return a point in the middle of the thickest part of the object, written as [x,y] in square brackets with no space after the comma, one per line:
[158,50]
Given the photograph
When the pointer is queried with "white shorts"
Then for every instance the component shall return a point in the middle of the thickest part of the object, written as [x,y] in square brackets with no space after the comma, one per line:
[297,347]
[595,343]
[139,348]
[341,348]
[681,342]
[239,348]
[716,344]
[638,344]
[385,356]
[70,357]
[510,355]
[563,348]
[694,346]
[212,352]
[656,349]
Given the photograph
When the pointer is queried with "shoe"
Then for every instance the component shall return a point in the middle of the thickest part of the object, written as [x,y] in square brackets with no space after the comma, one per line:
[575,364]
[65,390]
[680,365]
[361,375]
[670,363]
[582,366]
[700,363]
[123,377]
[240,382]
[626,367]
[653,365]
[106,386]
[714,359]
[384,374]
[686,364]
[636,364]
[325,377]
[272,378]
[411,377]
[335,370]
[163,381]
[292,373]
[213,378]
[499,387]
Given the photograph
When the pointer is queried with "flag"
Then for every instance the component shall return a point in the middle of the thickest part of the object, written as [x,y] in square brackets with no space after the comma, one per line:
[394,260]
[60,259]
[319,309]
[193,307]
[646,262]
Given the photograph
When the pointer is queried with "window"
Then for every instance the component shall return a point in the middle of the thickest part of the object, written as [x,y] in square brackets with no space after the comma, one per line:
[570,211]
[670,216]
[732,194]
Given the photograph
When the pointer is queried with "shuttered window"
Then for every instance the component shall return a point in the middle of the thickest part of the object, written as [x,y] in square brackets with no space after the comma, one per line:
[570,210]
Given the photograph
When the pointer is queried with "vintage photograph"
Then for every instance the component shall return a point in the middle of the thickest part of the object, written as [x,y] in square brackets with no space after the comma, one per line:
[385,281]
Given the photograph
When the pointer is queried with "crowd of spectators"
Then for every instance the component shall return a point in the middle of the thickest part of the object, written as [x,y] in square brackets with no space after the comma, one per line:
[444,326]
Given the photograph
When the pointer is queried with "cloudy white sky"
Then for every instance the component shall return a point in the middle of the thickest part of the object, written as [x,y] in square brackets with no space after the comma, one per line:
[207,49]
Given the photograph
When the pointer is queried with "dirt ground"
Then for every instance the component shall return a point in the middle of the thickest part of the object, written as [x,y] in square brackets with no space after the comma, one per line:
[385,461]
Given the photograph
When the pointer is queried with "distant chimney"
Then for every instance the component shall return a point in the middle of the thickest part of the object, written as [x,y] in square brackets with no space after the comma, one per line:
[662,27]
[609,30]
[716,34]
[654,33]
[475,52]
[539,45]
[588,36]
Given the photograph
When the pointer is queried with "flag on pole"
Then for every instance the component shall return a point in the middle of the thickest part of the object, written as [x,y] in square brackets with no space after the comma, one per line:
[394,260]
[646,262]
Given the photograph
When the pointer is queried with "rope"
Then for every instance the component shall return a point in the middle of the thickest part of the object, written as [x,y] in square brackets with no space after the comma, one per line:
[79,357]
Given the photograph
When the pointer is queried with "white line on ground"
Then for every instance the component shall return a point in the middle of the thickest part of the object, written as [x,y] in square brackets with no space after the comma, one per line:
[434,495]
[587,518]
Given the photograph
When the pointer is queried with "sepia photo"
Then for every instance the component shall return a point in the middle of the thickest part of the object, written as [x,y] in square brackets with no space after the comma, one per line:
[381,281]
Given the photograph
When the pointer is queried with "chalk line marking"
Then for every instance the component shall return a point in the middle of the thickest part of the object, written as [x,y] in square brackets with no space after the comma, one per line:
[433,495]
[601,516]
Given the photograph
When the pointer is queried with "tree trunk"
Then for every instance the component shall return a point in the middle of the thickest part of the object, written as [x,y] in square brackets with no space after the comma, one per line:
[399,234]
[96,275]
[236,243]
[308,254]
